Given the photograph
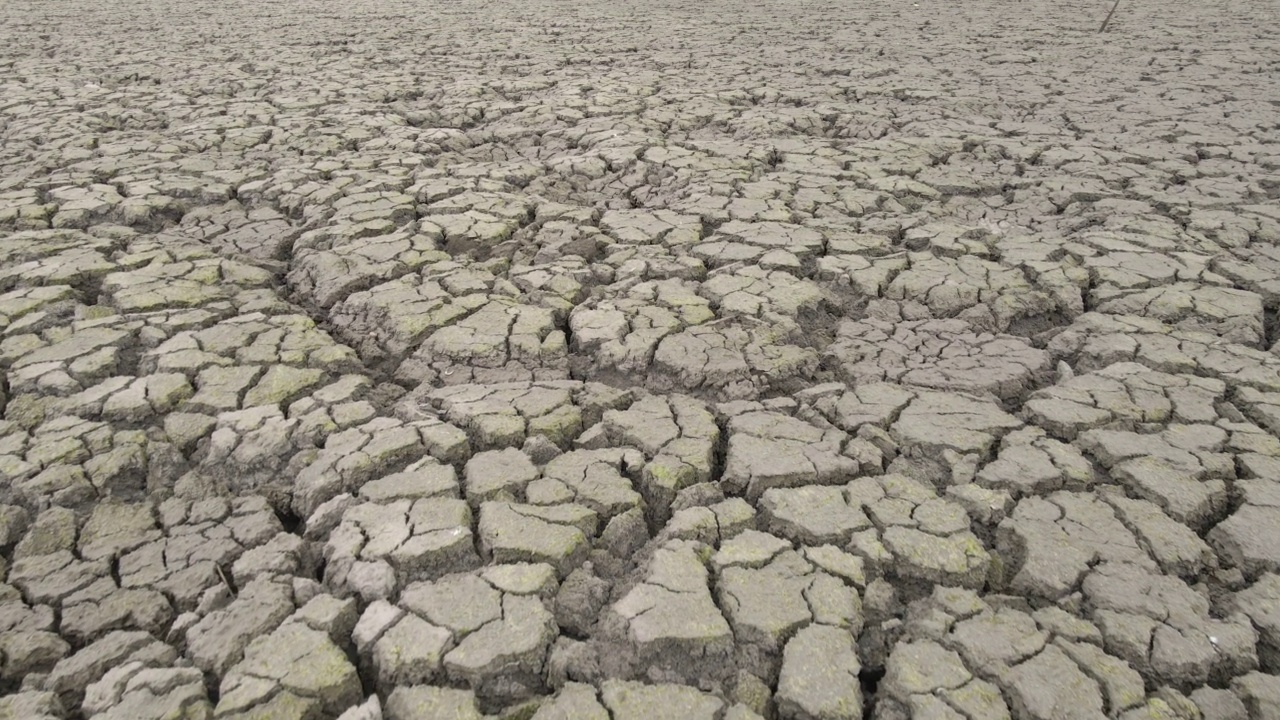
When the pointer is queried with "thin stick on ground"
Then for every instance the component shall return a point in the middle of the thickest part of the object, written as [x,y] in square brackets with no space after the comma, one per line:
[1107,19]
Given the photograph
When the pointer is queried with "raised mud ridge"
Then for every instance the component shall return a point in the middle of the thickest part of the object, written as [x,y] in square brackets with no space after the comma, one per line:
[637,361]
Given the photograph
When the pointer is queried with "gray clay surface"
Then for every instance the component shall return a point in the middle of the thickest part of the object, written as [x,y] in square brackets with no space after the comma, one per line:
[401,360]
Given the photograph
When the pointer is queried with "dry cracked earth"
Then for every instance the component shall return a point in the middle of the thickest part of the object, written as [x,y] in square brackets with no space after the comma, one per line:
[617,361]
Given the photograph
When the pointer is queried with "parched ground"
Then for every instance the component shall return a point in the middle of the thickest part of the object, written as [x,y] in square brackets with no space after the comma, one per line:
[624,361]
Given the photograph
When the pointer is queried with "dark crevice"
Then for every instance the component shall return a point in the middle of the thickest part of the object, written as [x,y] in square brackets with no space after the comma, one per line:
[870,679]
[1271,326]
[291,523]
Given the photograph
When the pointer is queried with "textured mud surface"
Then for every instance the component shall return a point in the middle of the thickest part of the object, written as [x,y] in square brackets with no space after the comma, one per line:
[708,361]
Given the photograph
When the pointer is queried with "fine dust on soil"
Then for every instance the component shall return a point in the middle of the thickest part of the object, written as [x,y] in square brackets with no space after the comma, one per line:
[703,361]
